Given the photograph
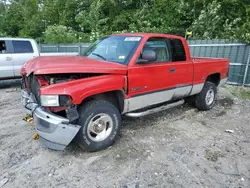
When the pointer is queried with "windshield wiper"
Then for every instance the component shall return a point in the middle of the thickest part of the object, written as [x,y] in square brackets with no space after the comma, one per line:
[98,55]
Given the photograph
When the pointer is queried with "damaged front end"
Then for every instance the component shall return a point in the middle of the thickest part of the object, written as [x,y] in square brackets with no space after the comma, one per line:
[60,78]
[53,87]
[55,132]
[54,116]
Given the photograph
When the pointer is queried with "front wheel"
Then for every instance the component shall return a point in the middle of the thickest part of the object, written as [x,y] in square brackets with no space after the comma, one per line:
[205,100]
[100,123]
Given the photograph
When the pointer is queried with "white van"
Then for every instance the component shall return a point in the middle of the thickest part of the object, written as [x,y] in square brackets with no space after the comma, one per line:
[14,52]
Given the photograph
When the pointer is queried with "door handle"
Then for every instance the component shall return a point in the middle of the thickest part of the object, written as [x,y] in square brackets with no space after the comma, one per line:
[172,70]
[8,58]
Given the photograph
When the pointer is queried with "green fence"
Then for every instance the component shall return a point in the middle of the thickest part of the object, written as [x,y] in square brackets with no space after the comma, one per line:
[238,53]
[79,48]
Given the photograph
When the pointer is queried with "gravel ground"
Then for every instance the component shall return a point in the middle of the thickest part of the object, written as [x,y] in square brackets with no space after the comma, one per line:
[180,147]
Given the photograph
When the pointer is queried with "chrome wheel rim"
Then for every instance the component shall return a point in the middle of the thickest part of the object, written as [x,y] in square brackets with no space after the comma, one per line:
[100,127]
[210,97]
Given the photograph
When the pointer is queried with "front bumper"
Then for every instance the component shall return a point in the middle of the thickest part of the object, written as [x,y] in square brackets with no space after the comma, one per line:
[55,132]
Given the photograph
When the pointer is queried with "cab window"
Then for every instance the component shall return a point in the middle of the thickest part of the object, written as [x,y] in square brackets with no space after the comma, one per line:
[177,50]
[22,47]
[166,49]
[160,46]
[3,47]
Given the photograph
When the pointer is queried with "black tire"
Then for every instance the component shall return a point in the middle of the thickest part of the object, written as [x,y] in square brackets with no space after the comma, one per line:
[200,99]
[87,112]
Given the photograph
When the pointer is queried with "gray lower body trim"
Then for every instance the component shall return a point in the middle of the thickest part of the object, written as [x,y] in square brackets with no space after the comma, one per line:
[154,110]
[146,100]
[181,92]
[143,101]
[196,89]
[223,81]
[55,131]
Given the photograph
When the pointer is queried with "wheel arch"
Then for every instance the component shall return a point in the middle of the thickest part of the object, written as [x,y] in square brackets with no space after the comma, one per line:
[116,97]
[214,78]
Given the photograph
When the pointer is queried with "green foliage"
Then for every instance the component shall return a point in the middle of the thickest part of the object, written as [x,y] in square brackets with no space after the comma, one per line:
[13,20]
[32,19]
[59,34]
[65,21]
[221,19]
[2,15]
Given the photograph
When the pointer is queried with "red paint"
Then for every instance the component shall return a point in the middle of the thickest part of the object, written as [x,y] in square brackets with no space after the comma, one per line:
[42,81]
[56,109]
[82,88]
[147,77]
[67,64]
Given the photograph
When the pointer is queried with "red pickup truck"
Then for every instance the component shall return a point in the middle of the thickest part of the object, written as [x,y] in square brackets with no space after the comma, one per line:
[84,98]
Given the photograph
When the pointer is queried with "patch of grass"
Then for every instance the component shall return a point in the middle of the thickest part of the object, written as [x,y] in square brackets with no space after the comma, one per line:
[242,94]
[239,91]
[245,94]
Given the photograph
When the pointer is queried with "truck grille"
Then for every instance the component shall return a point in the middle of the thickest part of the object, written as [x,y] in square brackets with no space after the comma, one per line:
[34,87]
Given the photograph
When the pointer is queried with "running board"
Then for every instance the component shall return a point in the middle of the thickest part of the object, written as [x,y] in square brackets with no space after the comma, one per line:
[154,110]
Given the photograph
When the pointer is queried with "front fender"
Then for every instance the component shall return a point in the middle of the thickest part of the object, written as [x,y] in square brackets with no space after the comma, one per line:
[85,87]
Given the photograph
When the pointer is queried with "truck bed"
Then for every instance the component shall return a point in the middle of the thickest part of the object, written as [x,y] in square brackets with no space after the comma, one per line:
[208,59]
[204,66]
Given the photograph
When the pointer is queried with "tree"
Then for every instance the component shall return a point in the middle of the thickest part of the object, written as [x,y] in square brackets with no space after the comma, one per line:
[32,18]
[14,20]
[91,19]
[59,34]
[222,19]
[2,18]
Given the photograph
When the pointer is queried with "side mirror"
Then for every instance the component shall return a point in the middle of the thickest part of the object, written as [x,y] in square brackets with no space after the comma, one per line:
[147,56]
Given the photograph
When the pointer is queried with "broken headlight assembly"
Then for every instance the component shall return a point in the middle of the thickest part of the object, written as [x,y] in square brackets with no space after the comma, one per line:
[55,100]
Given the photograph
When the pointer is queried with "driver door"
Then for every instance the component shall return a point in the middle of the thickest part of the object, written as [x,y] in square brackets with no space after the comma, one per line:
[152,83]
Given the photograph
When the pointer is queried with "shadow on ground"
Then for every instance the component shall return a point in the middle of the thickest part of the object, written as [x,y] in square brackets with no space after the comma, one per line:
[4,84]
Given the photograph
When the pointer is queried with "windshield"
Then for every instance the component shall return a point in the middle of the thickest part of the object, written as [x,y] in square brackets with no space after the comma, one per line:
[113,48]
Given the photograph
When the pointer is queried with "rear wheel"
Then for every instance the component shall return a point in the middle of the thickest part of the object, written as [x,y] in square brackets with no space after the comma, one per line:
[205,100]
[100,125]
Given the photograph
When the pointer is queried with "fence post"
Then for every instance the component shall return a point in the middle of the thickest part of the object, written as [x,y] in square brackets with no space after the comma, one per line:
[246,69]
[40,48]
[79,49]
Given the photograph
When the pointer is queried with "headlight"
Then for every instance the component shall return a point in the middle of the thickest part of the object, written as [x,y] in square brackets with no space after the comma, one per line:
[55,100]
[49,100]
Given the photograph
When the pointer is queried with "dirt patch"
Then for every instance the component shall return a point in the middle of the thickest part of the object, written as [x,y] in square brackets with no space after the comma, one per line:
[212,155]
[180,147]
[226,102]
[221,113]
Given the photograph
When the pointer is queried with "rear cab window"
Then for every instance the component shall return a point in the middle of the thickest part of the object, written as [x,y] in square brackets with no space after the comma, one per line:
[22,46]
[177,50]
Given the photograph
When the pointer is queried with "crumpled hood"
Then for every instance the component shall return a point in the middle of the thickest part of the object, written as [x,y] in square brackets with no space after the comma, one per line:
[70,64]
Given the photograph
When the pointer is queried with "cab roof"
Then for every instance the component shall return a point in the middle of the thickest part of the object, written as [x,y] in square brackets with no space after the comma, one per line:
[23,39]
[148,35]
